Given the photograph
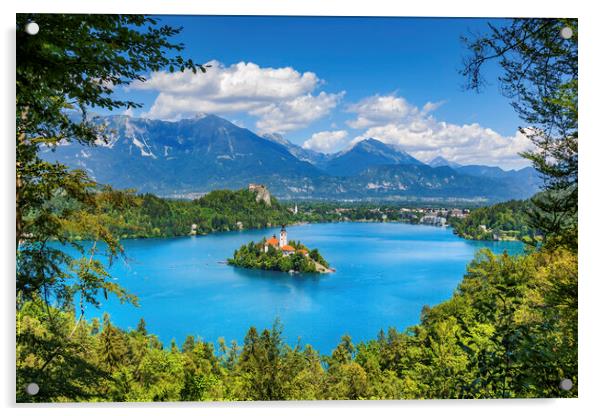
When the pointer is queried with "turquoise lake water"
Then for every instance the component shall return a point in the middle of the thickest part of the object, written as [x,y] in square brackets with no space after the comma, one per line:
[385,274]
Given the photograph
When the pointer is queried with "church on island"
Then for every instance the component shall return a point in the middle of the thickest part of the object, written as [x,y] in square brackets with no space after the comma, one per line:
[282,244]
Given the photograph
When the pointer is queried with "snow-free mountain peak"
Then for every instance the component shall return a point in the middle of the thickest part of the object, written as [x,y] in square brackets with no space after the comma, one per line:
[367,153]
[441,161]
[306,155]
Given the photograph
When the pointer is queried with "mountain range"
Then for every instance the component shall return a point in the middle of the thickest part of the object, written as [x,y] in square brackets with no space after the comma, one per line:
[189,157]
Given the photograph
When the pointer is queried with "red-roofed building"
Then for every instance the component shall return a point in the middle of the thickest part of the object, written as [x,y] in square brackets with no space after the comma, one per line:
[271,242]
[287,250]
[281,244]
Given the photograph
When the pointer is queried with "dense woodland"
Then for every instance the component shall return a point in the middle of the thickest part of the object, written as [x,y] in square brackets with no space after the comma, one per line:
[222,210]
[148,216]
[504,221]
[509,330]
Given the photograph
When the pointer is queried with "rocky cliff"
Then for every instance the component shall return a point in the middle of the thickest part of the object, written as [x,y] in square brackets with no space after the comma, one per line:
[262,193]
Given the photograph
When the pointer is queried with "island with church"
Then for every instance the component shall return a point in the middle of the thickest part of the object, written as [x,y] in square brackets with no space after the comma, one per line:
[280,254]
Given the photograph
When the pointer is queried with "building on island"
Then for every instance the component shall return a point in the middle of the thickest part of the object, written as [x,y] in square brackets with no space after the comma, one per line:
[288,250]
[283,237]
[282,244]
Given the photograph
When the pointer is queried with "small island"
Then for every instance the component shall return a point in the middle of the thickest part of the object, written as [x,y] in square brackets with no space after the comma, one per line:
[280,255]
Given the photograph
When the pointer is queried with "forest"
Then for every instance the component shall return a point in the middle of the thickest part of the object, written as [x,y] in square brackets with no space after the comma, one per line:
[220,210]
[504,221]
[509,330]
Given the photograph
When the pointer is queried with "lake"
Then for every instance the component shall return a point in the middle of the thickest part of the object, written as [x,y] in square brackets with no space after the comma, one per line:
[385,274]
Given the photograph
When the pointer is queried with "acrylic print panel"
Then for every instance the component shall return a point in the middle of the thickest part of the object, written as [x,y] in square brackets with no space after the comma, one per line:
[230,208]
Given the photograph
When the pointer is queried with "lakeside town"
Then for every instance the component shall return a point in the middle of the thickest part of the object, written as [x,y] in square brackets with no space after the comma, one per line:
[303,212]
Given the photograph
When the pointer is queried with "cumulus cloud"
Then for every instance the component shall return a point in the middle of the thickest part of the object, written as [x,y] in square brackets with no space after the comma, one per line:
[393,120]
[325,141]
[378,109]
[282,99]
[296,113]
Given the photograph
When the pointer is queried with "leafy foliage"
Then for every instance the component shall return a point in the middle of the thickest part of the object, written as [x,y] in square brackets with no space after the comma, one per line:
[73,64]
[503,221]
[220,210]
[540,76]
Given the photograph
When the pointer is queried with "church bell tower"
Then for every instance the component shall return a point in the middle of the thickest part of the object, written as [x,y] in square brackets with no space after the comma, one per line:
[283,240]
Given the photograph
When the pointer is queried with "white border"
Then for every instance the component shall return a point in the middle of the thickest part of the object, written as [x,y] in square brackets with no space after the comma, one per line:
[590,206]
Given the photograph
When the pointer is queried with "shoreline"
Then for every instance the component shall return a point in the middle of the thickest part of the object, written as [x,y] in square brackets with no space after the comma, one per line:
[298,223]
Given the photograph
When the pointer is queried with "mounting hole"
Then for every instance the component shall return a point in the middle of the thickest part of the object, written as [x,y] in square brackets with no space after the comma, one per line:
[32,389]
[32,28]
[566,32]
[566,384]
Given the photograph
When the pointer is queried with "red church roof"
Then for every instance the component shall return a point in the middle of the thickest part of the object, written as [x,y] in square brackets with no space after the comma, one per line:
[288,248]
[272,241]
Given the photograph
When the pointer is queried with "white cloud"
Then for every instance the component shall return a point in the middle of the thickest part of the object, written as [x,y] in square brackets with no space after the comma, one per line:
[430,106]
[282,99]
[295,114]
[419,133]
[325,141]
[378,109]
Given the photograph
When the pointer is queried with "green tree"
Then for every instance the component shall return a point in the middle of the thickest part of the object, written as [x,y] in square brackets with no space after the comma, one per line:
[540,76]
[73,65]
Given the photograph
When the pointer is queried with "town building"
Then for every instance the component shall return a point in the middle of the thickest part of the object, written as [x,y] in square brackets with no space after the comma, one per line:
[433,220]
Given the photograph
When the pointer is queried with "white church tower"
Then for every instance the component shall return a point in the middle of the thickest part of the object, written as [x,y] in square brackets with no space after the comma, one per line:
[283,240]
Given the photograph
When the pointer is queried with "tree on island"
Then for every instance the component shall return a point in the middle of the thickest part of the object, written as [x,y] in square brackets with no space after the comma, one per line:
[268,257]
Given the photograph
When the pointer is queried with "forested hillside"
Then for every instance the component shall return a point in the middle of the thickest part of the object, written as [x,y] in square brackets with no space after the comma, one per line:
[222,210]
[503,221]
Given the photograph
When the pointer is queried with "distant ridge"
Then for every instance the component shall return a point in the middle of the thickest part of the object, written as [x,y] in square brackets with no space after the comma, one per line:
[441,161]
[306,155]
[189,157]
[365,154]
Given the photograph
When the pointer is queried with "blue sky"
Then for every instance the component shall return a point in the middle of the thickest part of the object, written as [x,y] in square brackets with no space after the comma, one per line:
[325,83]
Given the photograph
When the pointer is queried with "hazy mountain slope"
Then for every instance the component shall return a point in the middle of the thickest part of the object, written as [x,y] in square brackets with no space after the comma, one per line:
[192,155]
[366,154]
[441,161]
[306,155]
